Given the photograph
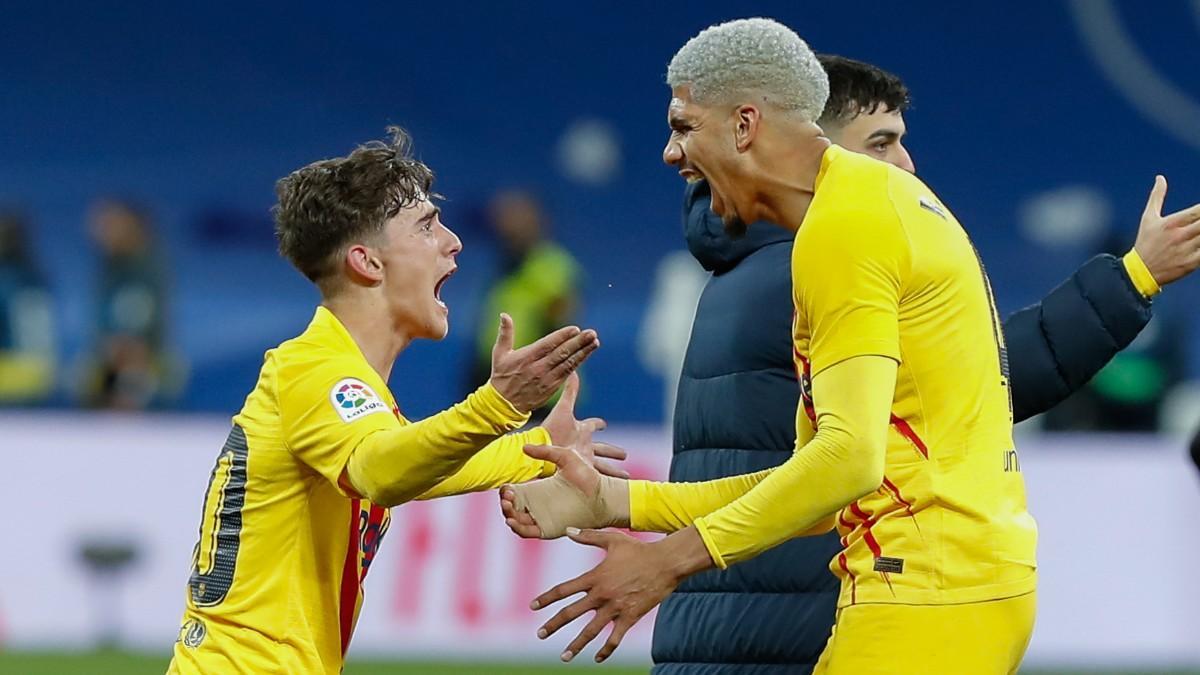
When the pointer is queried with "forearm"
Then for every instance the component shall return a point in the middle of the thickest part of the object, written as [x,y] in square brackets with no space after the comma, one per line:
[669,507]
[394,466]
[502,462]
[666,507]
[1058,344]
[843,461]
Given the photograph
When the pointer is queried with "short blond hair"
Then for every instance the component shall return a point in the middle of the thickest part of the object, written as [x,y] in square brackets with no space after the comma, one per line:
[762,56]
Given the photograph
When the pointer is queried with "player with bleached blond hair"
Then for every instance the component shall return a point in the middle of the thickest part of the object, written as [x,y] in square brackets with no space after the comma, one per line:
[904,432]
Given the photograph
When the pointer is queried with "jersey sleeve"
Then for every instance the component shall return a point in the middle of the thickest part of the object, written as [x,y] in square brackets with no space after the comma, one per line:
[392,467]
[326,409]
[848,267]
[666,507]
[503,461]
[842,461]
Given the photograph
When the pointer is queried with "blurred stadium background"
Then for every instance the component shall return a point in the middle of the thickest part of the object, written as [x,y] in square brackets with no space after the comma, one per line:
[139,148]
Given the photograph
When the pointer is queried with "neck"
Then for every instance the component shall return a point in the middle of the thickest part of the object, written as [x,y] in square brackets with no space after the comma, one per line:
[379,341]
[790,177]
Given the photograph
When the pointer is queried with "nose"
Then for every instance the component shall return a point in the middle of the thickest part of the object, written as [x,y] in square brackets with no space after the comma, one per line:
[673,152]
[904,161]
[453,244]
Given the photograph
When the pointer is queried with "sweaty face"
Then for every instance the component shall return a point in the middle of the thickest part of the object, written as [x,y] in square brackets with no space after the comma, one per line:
[701,147]
[417,253]
[878,134]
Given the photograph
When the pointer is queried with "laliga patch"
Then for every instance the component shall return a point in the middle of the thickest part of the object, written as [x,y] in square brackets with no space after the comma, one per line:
[353,400]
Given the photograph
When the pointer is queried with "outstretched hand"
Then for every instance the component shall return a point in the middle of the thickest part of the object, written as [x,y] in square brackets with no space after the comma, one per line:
[633,579]
[529,376]
[575,496]
[567,432]
[1169,245]
[584,490]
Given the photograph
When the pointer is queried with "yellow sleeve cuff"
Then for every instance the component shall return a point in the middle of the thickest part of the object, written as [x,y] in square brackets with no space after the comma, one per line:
[497,408]
[710,543]
[1140,275]
[637,505]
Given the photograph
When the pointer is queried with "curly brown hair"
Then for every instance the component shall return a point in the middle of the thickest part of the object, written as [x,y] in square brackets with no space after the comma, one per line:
[332,203]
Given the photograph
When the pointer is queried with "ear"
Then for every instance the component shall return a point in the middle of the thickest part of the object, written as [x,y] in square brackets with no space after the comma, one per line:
[746,124]
[364,265]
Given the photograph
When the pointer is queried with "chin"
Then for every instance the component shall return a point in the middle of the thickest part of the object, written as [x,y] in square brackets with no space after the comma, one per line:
[438,329]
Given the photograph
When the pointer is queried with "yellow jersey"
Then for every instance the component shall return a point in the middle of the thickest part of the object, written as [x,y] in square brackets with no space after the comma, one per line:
[881,267]
[285,544]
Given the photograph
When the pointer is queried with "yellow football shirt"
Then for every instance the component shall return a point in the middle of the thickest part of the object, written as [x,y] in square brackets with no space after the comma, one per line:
[285,544]
[881,268]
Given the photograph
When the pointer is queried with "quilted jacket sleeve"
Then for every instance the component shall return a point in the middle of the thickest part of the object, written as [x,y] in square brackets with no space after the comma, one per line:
[1058,344]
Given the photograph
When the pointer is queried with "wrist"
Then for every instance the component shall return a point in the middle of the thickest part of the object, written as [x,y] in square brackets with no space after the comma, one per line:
[496,407]
[614,499]
[685,553]
[1139,273]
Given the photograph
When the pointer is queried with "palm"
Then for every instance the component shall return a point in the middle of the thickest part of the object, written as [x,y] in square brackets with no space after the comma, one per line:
[566,431]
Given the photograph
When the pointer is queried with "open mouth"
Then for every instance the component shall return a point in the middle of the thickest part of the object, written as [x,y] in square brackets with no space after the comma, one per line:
[691,175]
[437,288]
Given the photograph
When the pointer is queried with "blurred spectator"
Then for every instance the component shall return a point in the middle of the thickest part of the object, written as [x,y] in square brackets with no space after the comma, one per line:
[1128,393]
[27,353]
[536,284]
[667,323]
[129,368]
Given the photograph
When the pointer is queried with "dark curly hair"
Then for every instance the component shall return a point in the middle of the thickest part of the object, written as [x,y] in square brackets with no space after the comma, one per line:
[332,203]
[857,88]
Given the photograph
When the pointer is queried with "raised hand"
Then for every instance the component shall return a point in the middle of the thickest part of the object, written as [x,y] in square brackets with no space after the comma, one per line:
[529,376]
[567,432]
[1169,245]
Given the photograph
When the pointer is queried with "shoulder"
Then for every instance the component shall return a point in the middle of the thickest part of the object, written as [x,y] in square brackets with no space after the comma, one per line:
[303,366]
[854,189]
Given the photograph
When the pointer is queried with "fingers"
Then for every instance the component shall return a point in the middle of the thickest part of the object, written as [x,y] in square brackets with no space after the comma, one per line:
[586,635]
[594,424]
[1158,194]
[1185,217]
[570,391]
[566,615]
[583,341]
[609,451]
[590,537]
[520,522]
[573,353]
[610,469]
[564,590]
[549,343]
[620,627]
[524,527]
[569,347]
[548,453]
[504,337]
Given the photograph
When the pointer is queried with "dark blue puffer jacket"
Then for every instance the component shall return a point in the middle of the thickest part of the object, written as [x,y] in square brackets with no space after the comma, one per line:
[735,413]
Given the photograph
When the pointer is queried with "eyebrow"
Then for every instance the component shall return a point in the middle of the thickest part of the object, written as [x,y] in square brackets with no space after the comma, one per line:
[433,213]
[884,135]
